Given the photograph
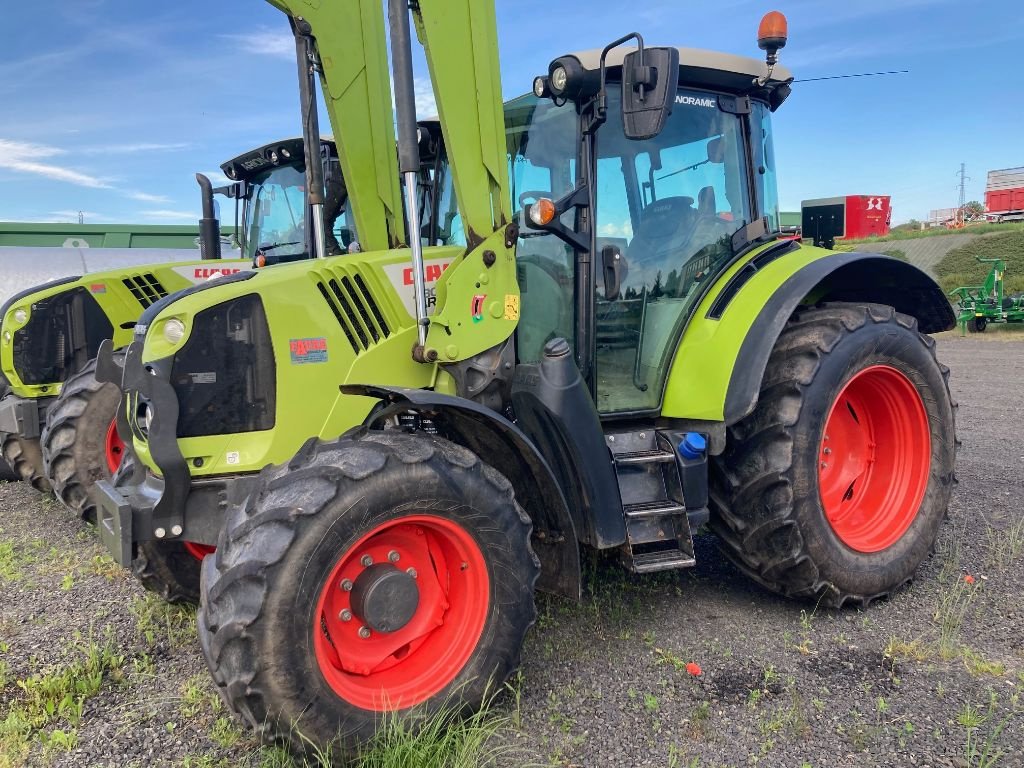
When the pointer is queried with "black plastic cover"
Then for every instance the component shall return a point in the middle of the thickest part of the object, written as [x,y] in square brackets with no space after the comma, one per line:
[224,375]
[63,333]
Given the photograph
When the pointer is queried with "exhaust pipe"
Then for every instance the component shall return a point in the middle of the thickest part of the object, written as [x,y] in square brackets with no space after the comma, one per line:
[209,225]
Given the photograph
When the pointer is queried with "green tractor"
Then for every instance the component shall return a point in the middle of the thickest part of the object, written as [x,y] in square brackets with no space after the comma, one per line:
[979,305]
[57,420]
[622,351]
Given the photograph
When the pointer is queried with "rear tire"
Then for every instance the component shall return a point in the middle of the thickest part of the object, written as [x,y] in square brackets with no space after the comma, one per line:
[6,472]
[169,569]
[776,504]
[25,458]
[271,626]
[79,442]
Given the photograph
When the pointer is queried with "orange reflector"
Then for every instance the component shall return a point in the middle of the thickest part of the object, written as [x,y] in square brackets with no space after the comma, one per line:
[542,212]
[773,30]
[261,261]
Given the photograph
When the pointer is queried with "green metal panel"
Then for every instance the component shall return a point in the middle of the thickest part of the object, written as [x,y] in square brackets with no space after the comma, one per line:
[467,88]
[705,360]
[790,218]
[24,234]
[357,90]
[309,401]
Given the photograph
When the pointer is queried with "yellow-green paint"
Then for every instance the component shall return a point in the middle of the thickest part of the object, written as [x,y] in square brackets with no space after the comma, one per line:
[309,401]
[113,297]
[357,92]
[705,360]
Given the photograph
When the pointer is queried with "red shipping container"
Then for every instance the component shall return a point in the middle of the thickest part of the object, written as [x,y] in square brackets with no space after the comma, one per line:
[850,217]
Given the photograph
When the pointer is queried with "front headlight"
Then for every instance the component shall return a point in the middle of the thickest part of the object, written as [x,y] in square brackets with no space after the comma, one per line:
[174,331]
[20,315]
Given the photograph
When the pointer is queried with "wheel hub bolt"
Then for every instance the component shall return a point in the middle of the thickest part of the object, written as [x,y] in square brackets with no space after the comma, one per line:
[367,561]
[411,572]
[828,451]
[364,632]
[393,556]
[345,615]
[824,465]
[346,584]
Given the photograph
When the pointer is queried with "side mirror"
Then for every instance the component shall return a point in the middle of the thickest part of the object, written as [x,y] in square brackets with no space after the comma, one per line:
[614,268]
[648,90]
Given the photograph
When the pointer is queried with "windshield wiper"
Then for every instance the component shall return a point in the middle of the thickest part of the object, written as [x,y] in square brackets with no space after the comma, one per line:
[272,246]
[683,170]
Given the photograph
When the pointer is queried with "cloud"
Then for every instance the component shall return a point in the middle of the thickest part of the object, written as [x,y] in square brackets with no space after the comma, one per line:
[23,156]
[128,149]
[146,197]
[165,215]
[266,42]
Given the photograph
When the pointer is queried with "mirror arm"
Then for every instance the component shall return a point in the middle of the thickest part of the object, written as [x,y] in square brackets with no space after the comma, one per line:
[601,110]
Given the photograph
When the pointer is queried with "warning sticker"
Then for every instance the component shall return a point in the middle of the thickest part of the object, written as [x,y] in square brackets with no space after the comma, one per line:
[233,457]
[477,307]
[204,377]
[98,288]
[511,306]
[308,350]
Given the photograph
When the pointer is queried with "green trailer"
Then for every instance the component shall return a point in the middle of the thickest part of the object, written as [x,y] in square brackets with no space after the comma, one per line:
[25,234]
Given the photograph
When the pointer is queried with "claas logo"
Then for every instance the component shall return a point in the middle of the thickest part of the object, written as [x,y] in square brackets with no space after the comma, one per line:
[432,273]
[202,273]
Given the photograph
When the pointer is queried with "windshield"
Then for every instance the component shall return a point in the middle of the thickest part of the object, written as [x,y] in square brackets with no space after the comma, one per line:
[670,205]
[276,224]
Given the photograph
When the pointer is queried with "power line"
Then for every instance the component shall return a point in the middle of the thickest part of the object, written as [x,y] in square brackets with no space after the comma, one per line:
[861,74]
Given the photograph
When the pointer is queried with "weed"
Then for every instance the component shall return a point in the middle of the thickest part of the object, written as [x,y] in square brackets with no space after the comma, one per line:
[950,613]
[978,665]
[445,740]
[1004,546]
[908,650]
[158,620]
[225,733]
[651,702]
[980,750]
[104,565]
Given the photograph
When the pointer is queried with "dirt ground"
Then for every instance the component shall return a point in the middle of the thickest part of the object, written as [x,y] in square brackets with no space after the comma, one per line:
[94,672]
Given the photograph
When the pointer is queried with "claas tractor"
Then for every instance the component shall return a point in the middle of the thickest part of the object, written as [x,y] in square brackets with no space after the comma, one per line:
[57,420]
[620,351]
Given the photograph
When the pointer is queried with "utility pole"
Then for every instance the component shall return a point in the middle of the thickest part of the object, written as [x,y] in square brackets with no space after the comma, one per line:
[963,197]
[81,216]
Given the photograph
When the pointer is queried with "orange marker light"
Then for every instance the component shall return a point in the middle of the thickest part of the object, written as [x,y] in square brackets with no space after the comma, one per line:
[542,212]
[773,31]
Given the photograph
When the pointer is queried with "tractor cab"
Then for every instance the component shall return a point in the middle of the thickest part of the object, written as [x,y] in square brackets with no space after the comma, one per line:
[671,211]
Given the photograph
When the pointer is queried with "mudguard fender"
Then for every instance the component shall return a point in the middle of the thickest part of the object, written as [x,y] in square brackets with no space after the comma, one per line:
[501,444]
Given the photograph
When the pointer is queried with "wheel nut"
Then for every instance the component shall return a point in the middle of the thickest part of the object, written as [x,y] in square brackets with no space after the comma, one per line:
[828,451]
[411,572]
[364,632]
[393,556]
[367,561]
[824,465]
[345,615]
[346,585]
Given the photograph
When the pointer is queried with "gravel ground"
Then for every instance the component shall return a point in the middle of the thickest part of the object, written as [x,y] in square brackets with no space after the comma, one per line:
[913,681]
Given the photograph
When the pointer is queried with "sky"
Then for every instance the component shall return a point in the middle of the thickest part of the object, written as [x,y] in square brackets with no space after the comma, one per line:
[109,107]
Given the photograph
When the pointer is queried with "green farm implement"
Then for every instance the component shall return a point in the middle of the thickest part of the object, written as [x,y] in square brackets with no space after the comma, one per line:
[979,305]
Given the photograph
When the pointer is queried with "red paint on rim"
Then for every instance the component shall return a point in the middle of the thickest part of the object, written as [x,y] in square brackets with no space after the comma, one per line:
[874,459]
[397,670]
[198,551]
[113,447]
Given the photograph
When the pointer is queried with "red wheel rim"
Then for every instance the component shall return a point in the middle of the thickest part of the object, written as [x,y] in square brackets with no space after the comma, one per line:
[198,551]
[874,459]
[396,670]
[114,447]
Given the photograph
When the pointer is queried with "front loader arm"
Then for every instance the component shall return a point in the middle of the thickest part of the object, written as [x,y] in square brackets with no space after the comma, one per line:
[357,89]
[478,296]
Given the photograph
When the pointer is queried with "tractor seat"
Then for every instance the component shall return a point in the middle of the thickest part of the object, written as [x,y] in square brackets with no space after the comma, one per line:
[665,226]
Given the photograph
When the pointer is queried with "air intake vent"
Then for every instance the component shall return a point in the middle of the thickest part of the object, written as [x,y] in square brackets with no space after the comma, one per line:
[354,307]
[145,288]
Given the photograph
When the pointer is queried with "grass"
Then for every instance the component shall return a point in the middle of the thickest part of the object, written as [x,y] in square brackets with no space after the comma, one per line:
[916,234]
[980,749]
[960,267]
[159,622]
[1004,546]
[55,697]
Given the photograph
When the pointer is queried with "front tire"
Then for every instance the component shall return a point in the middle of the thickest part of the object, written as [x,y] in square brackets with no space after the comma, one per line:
[25,459]
[834,488]
[80,444]
[288,627]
